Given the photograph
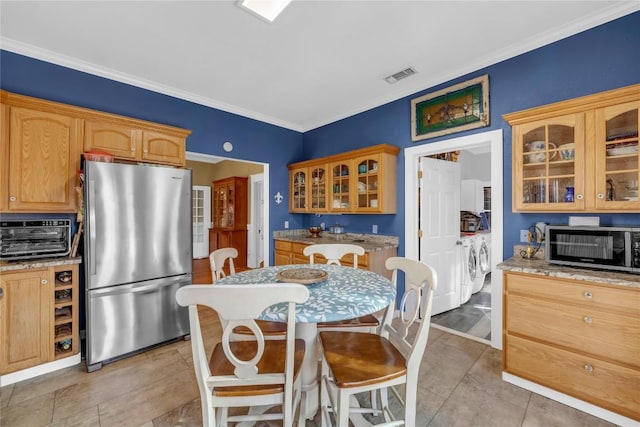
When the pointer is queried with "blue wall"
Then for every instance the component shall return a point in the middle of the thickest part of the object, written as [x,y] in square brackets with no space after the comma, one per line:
[602,58]
[252,140]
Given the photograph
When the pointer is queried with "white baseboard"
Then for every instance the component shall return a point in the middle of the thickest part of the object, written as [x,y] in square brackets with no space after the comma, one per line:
[581,405]
[45,368]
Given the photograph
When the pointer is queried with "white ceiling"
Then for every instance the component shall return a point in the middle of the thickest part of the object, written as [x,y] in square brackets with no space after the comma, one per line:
[318,62]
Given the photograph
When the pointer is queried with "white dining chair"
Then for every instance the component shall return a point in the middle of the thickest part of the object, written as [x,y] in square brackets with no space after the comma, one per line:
[355,362]
[217,260]
[255,373]
[333,252]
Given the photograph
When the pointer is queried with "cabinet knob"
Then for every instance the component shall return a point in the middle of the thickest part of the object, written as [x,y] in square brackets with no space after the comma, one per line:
[579,197]
[587,319]
[44,281]
[588,295]
[600,196]
[12,198]
[133,148]
[588,368]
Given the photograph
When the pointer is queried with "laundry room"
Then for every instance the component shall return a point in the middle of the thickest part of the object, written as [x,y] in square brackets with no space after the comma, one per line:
[472,318]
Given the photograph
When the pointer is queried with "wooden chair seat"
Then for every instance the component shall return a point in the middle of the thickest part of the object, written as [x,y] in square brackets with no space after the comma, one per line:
[357,362]
[273,361]
[366,321]
[357,359]
[268,328]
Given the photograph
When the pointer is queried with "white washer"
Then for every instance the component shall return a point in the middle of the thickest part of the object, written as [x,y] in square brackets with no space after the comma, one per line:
[483,246]
[469,266]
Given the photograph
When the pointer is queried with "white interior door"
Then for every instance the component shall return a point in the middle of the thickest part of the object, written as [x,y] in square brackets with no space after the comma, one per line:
[256,230]
[440,225]
[201,214]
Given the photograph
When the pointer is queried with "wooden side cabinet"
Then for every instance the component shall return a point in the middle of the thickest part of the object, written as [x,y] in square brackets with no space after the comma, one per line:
[229,197]
[38,316]
[579,338]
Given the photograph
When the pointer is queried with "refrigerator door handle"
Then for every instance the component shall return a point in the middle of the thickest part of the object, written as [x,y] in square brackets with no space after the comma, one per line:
[92,228]
[149,285]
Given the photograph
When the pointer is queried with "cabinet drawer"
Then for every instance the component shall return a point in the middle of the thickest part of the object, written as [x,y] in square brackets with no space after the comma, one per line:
[603,334]
[574,292]
[281,245]
[610,386]
[297,249]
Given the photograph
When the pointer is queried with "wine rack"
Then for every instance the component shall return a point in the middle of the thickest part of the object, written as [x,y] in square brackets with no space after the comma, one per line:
[65,311]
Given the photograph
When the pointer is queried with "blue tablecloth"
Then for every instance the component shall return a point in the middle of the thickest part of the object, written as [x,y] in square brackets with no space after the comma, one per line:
[347,293]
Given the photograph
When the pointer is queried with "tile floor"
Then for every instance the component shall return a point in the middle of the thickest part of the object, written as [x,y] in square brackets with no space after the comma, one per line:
[472,318]
[460,385]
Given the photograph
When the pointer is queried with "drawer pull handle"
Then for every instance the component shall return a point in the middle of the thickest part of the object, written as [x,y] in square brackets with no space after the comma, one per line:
[588,319]
[588,368]
[588,295]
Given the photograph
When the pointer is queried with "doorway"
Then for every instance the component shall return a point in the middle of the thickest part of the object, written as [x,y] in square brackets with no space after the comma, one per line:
[493,139]
[256,223]
[233,165]
[201,219]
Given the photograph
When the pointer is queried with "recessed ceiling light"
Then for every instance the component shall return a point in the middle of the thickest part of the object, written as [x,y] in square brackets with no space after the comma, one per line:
[265,9]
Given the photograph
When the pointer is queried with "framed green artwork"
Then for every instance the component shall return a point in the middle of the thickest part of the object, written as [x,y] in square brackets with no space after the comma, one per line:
[460,107]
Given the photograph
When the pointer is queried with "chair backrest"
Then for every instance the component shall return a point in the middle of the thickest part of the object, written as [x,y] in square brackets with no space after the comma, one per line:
[217,259]
[333,252]
[420,284]
[239,305]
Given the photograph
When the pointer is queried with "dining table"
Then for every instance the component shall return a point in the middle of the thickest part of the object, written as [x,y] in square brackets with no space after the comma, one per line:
[343,293]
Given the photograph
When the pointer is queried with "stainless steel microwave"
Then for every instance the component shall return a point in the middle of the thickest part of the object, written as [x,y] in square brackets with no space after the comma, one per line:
[607,248]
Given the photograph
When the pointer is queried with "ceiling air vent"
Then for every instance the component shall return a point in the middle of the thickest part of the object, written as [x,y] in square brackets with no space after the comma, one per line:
[400,75]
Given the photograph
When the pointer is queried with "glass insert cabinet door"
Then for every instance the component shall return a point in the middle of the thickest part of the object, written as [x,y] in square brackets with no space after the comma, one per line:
[319,181]
[368,171]
[549,160]
[298,190]
[617,158]
[223,206]
[341,173]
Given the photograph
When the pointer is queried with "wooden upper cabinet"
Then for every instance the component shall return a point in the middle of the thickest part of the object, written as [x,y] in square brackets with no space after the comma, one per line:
[133,142]
[122,141]
[579,155]
[41,143]
[359,181]
[163,148]
[42,159]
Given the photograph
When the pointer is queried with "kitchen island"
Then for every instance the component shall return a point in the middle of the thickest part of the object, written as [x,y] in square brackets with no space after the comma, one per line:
[289,245]
[573,335]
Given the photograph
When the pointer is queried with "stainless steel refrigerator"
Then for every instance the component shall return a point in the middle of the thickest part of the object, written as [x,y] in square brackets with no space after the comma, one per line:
[138,250]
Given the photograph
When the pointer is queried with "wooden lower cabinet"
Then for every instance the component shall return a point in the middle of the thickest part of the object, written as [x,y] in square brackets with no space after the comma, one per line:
[287,252]
[576,337]
[38,316]
[230,239]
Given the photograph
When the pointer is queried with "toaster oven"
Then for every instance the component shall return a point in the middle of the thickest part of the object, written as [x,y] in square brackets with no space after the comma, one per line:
[42,238]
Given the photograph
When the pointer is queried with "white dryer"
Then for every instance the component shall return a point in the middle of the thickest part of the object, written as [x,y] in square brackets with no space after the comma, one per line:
[483,246]
[469,266]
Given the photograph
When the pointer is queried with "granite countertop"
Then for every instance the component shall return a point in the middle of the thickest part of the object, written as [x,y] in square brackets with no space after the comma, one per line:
[538,265]
[370,242]
[25,264]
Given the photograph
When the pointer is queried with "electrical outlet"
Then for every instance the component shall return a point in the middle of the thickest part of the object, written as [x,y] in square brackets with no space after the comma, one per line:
[286,224]
[374,229]
[524,236]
